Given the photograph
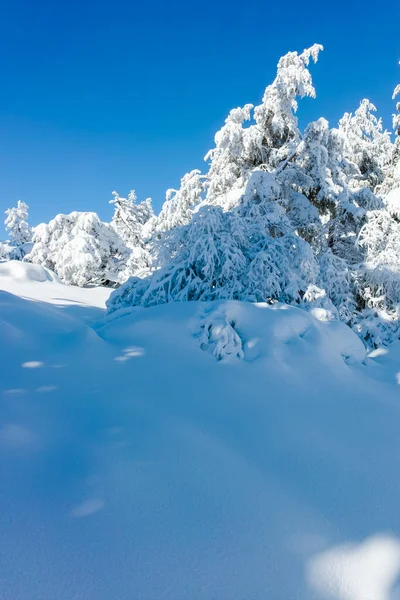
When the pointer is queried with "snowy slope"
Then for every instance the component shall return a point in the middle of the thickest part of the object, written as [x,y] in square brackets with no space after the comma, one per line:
[134,465]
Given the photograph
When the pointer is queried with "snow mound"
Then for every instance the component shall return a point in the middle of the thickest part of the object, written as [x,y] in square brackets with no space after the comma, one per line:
[250,331]
[26,272]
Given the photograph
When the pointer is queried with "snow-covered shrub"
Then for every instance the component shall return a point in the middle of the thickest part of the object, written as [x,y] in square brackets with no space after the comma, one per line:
[80,249]
[217,334]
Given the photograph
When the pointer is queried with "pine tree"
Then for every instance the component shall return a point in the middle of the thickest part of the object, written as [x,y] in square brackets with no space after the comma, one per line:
[16,224]
[367,148]
[392,180]
[178,207]
[129,223]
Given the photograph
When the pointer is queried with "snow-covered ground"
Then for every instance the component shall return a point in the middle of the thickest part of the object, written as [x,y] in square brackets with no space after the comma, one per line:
[134,465]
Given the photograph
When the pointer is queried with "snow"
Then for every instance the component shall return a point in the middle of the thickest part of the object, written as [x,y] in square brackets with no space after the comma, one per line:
[19,277]
[134,464]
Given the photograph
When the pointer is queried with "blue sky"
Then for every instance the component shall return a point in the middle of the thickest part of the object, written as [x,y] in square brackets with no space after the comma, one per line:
[100,96]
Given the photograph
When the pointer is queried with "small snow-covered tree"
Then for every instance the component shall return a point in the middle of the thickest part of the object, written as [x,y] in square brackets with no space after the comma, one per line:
[16,224]
[129,218]
[129,223]
[4,255]
[379,279]
[396,127]
[392,180]
[367,147]
[80,249]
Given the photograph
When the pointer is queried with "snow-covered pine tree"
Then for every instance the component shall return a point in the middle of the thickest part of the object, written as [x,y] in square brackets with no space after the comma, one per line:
[272,137]
[80,249]
[208,265]
[18,229]
[378,273]
[130,217]
[277,130]
[396,127]
[390,188]
[129,223]
[177,210]
[367,147]
[378,283]
[280,264]
[250,253]
[231,160]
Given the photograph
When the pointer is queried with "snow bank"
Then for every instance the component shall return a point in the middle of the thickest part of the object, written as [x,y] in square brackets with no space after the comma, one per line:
[133,464]
[39,283]
[26,272]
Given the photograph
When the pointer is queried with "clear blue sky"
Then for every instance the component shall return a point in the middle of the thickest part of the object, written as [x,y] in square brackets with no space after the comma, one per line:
[100,96]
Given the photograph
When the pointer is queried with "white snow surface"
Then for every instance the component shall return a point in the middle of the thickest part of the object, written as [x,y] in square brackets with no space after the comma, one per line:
[135,465]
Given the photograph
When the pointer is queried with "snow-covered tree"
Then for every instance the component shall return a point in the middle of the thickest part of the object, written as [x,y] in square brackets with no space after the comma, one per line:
[129,218]
[129,223]
[337,279]
[80,249]
[249,253]
[177,210]
[271,137]
[396,127]
[379,279]
[208,265]
[231,159]
[16,224]
[392,180]
[277,124]
[367,147]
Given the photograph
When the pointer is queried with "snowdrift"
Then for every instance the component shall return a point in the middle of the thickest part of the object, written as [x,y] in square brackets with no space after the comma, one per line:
[195,450]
